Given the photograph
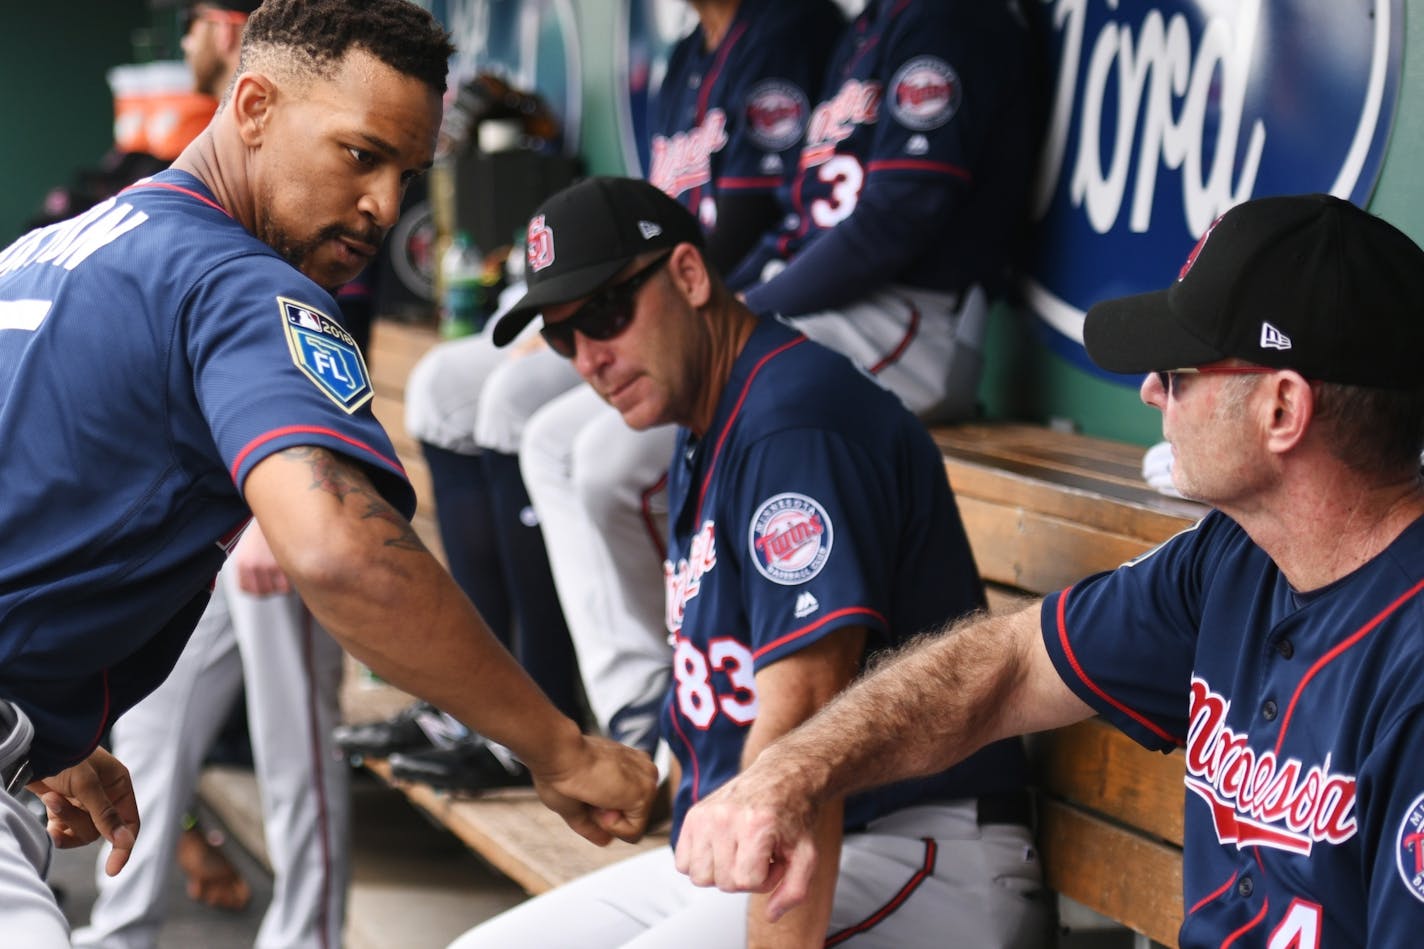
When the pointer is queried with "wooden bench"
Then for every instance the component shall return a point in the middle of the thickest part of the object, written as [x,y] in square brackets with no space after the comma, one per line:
[1042,509]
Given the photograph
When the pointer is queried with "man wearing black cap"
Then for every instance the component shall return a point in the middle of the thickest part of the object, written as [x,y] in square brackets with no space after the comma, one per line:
[1278,641]
[810,528]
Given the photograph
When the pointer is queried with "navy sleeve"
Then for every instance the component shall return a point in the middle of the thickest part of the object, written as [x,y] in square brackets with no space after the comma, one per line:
[1125,641]
[816,540]
[275,369]
[912,182]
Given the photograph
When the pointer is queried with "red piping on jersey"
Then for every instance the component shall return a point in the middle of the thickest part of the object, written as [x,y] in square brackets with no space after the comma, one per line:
[181,190]
[310,430]
[911,331]
[724,49]
[796,634]
[318,782]
[1061,618]
[1213,894]
[748,184]
[732,419]
[895,902]
[1255,921]
[691,752]
[1333,654]
[919,164]
[646,509]
[103,715]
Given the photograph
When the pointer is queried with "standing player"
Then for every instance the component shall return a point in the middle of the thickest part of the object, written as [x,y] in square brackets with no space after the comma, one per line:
[255,630]
[926,129]
[1278,641]
[172,333]
[726,127]
[811,528]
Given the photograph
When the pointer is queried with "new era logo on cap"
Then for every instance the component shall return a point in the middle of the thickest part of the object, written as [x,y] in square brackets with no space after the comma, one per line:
[1272,338]
[649,230]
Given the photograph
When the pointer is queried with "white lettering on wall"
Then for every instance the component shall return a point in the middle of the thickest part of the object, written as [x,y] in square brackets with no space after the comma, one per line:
[1158,78]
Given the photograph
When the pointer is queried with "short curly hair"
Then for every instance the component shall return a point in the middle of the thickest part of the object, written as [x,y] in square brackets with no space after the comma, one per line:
[397,32]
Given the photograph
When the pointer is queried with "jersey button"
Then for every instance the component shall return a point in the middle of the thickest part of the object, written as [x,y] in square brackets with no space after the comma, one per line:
[1245,886]
[1285,648]
[1268,710]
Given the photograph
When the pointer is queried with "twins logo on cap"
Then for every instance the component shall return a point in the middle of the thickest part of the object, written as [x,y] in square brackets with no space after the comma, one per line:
[790,538]
[925,93]
[540,244]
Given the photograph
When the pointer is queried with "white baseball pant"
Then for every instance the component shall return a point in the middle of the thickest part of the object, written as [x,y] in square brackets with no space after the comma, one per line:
[292,669]
[909,879]
[31,916]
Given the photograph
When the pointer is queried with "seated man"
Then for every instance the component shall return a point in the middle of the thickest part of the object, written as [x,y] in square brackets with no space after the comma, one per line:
[905,199]
[811,527]
[1277,642]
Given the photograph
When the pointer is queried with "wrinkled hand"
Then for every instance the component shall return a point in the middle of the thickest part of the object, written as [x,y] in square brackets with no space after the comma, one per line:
[92,799]
[257,569]
[605,793]
[753,835]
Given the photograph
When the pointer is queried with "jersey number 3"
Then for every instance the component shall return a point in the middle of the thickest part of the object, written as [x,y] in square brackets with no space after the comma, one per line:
[697,700]
[845,176]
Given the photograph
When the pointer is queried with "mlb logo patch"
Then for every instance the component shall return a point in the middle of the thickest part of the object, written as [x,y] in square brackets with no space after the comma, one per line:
[790,538]
[326,354]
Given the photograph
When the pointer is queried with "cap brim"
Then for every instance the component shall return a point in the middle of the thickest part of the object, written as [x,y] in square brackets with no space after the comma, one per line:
[1139,334]
[560,289]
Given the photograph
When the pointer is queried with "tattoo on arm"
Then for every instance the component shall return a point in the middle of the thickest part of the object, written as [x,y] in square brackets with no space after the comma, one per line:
[342,479]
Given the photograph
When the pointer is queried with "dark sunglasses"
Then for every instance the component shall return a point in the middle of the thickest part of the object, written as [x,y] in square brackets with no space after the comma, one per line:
[606,314]
[1168,377]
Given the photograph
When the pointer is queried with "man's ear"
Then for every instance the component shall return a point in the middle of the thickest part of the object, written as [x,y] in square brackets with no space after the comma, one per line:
[253,97]
[689,273]
[1291,407]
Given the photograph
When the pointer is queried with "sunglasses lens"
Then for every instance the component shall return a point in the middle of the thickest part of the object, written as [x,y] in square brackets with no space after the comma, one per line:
[560,338]
[1166,379]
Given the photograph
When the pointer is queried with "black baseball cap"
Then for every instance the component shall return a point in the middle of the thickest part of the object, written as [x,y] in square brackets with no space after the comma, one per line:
[581,237]
[1304,282]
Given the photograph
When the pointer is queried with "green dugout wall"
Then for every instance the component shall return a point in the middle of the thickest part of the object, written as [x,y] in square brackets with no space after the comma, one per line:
[56,116]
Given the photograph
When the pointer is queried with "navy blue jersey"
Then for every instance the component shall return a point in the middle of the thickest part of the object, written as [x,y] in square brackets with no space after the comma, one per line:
[1301,720]
[816,501]
[729,120]
[152,351]
[916,164]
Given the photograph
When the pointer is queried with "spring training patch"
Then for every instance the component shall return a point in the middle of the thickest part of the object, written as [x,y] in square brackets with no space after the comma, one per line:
[326,354]
[1409,848]
[790,538]
[925,93]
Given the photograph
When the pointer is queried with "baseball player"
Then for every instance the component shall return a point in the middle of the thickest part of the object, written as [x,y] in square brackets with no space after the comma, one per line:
[168,369]
[726,128]
[256,630]
[906,194]
[811,528]
[1276,641]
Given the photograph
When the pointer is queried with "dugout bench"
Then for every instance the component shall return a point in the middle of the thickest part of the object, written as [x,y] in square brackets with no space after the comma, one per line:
[1042,509]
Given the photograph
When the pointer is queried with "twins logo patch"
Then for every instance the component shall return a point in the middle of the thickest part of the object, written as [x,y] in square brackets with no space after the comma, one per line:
[1409,848]
[925,93]
[776,114]
[790,538]
[326,354]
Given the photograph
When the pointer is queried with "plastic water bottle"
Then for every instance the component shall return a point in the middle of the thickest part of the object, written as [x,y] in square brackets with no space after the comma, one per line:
[462,298]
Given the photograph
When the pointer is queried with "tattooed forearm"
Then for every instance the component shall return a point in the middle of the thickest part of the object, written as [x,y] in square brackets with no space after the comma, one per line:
[343,480]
